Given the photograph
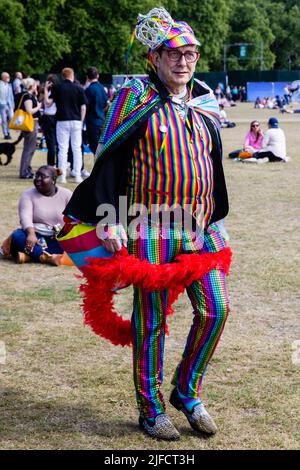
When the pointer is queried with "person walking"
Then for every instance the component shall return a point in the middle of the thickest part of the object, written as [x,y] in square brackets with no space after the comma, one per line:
[17,84]
[28,102]
[49,124]
[97,103]
[6,103]
[70,101]
[287,93]
[161,147]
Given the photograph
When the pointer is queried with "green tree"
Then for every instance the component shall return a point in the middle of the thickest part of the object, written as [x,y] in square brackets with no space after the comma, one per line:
[12,36]
[99,33]
[210,22]
[284,18]
[294,38]
[250,24]
[45,35]
[45,44]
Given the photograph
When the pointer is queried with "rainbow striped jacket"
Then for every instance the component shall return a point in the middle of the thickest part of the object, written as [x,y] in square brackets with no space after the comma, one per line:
[126,122]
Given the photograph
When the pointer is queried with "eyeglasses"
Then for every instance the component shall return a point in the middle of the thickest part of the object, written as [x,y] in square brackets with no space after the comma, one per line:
[42,176]
[175,56]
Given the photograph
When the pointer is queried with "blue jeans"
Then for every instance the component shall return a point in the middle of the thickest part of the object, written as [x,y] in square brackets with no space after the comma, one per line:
[18,242]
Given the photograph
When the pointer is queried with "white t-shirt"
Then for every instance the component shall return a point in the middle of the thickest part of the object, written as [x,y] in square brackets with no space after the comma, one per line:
[50,110]
[274,141]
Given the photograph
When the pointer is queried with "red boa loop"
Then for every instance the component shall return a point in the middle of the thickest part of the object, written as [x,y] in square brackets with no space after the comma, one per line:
[100,280]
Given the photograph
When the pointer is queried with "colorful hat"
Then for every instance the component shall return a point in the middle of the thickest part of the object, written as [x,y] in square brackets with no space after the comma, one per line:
[181,34]
[157,27]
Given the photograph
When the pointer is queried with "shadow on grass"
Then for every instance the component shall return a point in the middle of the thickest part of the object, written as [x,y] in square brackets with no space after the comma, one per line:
[21,419]
[52,424]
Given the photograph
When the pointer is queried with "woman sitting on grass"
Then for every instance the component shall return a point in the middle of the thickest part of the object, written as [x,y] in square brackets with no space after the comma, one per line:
[40,213]
[252,143]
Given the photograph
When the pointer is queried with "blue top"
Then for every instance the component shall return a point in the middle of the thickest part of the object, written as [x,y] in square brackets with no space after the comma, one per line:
[97,102]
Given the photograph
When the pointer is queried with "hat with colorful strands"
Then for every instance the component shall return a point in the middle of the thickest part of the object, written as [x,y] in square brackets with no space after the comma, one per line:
[158,28]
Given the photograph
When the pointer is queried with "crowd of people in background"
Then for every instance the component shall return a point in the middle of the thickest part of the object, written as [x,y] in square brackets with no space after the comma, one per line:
[259,146]
[267,103]
[64,110]
[279,102]
[69,115]
[229,95]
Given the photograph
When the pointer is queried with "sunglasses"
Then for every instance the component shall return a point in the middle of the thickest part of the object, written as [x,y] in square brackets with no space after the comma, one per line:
[255,125]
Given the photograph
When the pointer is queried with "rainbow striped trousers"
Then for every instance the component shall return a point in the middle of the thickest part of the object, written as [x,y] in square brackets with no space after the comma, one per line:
[210,306]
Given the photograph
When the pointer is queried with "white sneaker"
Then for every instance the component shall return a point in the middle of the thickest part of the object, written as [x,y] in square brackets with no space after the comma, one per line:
[85,173]
[250,160]
[61,179]
[78,179]
[263,160]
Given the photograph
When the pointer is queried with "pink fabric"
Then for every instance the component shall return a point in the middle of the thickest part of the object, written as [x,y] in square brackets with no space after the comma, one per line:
[34,208]
[250,141]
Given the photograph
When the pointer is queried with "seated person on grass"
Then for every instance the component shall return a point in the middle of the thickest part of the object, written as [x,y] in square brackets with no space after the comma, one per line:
[223,117]
[252,143]
[273,145]
[40,213]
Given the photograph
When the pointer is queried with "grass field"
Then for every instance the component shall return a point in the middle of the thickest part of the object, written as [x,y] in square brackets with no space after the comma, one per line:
[62,387]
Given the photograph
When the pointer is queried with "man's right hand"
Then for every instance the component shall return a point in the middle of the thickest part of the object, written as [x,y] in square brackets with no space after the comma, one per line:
[115,235]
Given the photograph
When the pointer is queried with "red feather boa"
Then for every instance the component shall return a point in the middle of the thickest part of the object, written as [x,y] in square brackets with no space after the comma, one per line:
[100,280]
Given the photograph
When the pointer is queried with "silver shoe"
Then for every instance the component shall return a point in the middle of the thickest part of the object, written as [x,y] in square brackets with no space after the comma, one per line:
[162,428]
[199,418]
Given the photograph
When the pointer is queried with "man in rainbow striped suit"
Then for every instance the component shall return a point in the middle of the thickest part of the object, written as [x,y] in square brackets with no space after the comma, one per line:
[161,147]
